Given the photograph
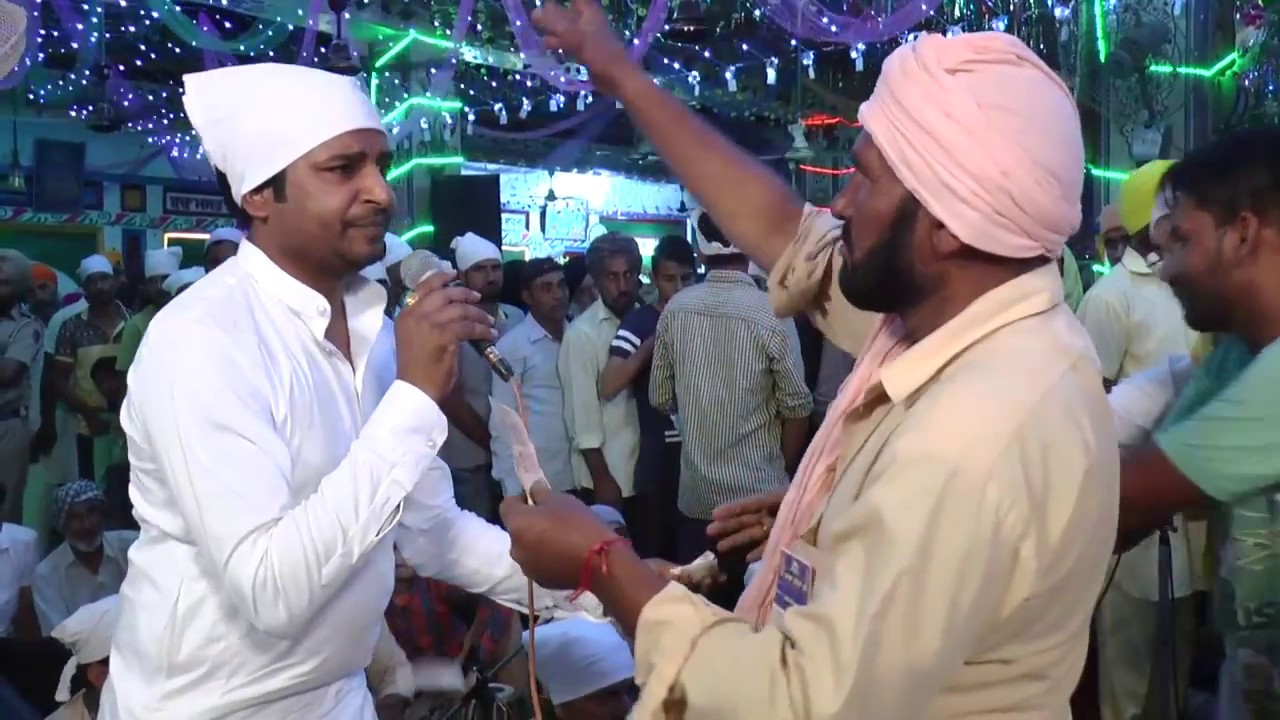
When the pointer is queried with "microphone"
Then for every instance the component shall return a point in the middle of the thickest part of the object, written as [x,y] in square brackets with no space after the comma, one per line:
[418,267]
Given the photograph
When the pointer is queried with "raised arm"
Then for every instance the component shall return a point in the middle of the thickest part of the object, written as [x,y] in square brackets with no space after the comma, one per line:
[751,203]
[217,446]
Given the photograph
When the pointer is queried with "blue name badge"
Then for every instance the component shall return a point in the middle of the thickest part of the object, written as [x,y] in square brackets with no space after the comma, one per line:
[794,582]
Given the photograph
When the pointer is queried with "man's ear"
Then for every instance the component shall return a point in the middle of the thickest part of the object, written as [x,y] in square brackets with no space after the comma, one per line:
[257,203]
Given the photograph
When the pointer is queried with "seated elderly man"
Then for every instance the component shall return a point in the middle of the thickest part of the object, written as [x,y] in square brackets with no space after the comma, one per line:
[89,565]
[585,668]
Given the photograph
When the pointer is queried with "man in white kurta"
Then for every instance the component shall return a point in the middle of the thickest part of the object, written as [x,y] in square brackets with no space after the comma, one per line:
[270,473]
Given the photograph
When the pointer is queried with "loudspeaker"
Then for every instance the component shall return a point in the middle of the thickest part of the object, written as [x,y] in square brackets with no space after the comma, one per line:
[59,176]
[465,203]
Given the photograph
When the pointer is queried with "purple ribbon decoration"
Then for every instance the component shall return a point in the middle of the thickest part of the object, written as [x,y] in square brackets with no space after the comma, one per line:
[212,60]
[308,51]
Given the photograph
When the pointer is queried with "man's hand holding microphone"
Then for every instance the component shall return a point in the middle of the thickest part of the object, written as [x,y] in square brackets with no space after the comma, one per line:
[436,318]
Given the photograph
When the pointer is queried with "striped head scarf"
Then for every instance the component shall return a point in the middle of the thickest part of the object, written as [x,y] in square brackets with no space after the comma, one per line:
[72,493]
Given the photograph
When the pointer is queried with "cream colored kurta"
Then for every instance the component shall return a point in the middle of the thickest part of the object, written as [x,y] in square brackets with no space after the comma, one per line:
[74,709]
[967,537]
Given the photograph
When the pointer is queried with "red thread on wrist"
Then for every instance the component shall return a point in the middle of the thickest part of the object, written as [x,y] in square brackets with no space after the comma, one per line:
[597,552]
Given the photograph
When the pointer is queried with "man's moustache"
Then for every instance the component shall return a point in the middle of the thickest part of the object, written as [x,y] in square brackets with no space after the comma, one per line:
[382,221]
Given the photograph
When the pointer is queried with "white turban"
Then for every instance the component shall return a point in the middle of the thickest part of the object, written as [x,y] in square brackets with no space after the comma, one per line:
[706,245]
[162,262]
[228,234]
[255,120]
[375,272]
[95,264]
[87,634]
[471,249]
[577,657]
[397,250]
[182,278]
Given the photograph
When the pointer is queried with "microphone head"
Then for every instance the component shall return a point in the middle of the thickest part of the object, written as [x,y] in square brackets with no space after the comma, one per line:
[419,265]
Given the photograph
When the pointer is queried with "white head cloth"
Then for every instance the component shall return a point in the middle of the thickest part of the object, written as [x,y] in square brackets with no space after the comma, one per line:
[230,234]
[182,278]
[162,262]
[577,657]
[95,264]
[87,634]
[705,245]
[375,272]
[254,120]
[397,250]
[1162,208]
[471,249]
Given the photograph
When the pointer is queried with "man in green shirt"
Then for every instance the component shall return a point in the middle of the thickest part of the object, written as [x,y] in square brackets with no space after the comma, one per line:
[158,265]
[1217,450]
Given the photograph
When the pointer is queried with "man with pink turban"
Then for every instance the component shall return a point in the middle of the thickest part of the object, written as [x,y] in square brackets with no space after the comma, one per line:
[940,550]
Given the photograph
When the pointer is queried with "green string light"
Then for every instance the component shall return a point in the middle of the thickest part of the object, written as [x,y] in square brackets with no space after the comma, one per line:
[398,114]
[415,232]
[1106,174]
[1223,65]
[408,40]
[396,172]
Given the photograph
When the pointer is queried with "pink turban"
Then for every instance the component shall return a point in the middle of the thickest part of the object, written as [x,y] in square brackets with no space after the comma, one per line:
[986,136]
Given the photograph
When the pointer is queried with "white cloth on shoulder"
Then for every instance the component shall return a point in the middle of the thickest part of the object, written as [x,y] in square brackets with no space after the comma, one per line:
[87,634]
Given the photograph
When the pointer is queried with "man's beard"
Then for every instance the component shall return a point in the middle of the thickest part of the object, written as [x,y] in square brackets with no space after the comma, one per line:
[622,304]
[885,280]
[491,294]
[1200,313]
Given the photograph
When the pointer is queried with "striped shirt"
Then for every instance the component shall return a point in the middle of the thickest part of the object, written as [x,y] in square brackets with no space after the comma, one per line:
[638,326]
[734,371]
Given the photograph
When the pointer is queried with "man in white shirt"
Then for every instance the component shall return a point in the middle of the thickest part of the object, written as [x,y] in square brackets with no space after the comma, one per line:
[268,492]
[1136,323]
[533,349]
[18,555]
[605,433]
[466,449]
[90,565]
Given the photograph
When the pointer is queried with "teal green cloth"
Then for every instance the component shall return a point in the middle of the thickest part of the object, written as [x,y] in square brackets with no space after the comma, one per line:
[1072,286]
[1223,433]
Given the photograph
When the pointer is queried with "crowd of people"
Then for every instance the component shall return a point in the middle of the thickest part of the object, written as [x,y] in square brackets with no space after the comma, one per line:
[938,477]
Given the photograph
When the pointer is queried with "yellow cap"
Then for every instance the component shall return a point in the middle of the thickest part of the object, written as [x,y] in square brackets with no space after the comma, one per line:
[1138,195]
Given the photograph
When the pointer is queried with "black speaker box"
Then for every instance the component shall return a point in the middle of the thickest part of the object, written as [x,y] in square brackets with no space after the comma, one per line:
[465,203]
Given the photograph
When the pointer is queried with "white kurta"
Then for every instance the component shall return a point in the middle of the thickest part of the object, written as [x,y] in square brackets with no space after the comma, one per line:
[267,474]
